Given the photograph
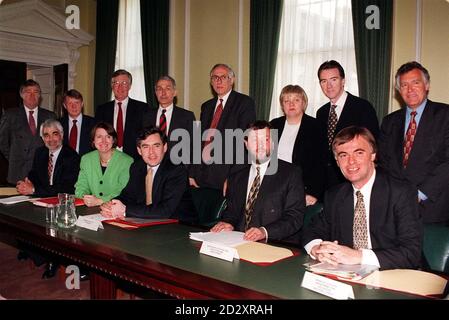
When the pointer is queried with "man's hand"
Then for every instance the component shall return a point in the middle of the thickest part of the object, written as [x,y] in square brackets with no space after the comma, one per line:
[254,234]
[334,253]
[113,209]
[193,183]
[310,200]
[222,226]
[25,187]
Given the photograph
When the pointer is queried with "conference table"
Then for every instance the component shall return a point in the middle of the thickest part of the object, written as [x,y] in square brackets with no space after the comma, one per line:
[163,258]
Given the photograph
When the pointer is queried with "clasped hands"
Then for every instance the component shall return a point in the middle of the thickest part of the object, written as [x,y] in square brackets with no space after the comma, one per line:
[252,234]
[25,187]
[113,209]
[334,253]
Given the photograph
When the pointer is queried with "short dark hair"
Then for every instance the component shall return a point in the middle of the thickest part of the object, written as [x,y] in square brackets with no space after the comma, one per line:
[109,129]
[349,133]
[331,64]
[260,124]
[167,78]
[29,83]
[409,66]
[75,94]
[120,72]
[148,131]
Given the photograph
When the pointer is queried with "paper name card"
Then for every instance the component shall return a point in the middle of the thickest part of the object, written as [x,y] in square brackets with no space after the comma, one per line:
[328,287]
[219,251]
[89,223]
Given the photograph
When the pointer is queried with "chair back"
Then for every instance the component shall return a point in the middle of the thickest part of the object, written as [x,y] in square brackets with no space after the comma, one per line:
[209,204]
[436,247]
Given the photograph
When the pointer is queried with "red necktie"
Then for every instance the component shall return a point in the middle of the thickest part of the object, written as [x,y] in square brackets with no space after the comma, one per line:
[50,167]
[73,135]
[32,123]
[119,125]
[217,115]
[163,122]
[409,138]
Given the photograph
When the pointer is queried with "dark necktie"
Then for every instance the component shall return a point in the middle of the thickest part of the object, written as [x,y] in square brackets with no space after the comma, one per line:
[409,138]
[360,230]
[119,125]
[163,122]
[50,168]
[73,135]
[252,196]
[216,118]
[331,125]
[32,123]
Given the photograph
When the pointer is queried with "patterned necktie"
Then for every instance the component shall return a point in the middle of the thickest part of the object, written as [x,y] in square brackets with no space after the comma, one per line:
[163,122]
[331,124]
[409,138]
[32,123]
[50,168]
[119,125]
[207,148]
[149,186]
[253,192]
[360,232]
[73,135]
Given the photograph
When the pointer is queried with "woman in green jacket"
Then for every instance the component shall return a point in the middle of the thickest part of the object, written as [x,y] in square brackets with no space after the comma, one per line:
[104,172]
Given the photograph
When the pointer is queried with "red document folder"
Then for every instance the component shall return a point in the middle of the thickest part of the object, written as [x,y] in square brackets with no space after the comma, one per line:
[134,223]
[52,201]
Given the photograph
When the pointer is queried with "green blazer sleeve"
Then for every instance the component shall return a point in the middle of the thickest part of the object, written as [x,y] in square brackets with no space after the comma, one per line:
[92,181]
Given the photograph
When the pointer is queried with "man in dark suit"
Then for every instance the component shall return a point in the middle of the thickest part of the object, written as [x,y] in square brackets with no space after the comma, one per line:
[343,110]
[19,131]
[48,177]
[414,143]
[76,125]
[169,117]
[266,199]
[371,219]
[228,110]
[156,188]
[125,114]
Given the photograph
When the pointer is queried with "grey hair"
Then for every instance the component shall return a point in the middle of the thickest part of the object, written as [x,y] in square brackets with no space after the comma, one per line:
[409,66]
[167,78]
[231,72]
[50,123]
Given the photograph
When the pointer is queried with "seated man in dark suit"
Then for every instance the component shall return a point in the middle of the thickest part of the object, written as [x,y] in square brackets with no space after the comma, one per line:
[125,114]
[55,166]
[156,188]
[76,125]
[264,202]
[55,170]
[372,219]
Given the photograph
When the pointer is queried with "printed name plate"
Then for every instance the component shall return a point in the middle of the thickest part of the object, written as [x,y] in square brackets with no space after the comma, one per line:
[219,251]
[328,287]
[87,223]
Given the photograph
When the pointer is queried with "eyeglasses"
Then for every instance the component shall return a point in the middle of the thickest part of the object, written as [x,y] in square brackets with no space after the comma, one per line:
[222,78]
[120,83]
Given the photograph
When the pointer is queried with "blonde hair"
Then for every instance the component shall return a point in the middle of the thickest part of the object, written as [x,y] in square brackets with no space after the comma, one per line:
[294,89]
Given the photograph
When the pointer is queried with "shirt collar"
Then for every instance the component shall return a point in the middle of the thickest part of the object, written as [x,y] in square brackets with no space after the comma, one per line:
[366,189]
[418,110]
[167,109]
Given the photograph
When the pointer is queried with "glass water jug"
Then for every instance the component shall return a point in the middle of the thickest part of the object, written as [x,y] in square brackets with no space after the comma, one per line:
[66,215]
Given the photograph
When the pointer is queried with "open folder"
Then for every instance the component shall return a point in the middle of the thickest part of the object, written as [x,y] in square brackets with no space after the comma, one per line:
[134,223]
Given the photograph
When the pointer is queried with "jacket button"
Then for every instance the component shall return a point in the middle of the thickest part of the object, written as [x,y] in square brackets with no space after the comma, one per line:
[101,182]
[101,194]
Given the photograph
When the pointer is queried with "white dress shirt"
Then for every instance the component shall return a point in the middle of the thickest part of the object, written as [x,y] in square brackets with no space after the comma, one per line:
[287,141]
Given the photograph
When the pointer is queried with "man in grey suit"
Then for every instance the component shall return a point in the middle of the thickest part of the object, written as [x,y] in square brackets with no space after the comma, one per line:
[414,143]
[19,131]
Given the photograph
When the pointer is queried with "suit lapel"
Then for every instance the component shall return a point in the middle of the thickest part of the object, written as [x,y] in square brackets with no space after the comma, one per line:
[423,133]
[398,143]
[346,113]
[227,111]
[58,164]
[378,204]
[346,214]
[174,122]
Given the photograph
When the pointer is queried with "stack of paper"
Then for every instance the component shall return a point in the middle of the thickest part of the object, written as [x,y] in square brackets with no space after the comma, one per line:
[342,271]
[13,200]
[225,238]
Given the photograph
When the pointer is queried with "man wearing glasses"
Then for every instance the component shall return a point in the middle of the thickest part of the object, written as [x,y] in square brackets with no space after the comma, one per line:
[124,113]
[229,109]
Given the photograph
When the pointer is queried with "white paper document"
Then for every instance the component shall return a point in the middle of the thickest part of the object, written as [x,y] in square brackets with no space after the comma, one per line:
[225,238]
[91,222]
[15,199]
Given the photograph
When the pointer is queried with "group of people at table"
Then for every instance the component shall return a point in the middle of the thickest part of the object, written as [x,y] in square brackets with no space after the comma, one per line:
[378,187]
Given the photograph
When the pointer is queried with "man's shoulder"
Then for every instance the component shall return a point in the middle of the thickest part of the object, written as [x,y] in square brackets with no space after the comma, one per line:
[137,103]
[68,152]
[393,116]
[323,111]
[47,112]
[238,96]
[182,111]
[352,99]
[88,119]
[278,122]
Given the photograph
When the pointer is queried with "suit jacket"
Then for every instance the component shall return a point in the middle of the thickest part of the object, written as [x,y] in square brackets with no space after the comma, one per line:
[356,112]
[86,127]
[428,165]
[395,224]
[107,186]
[65,173]
[171,196]
[279,206]
[308,150]
[17,144]
[181,119]
[238,113]
[136,112]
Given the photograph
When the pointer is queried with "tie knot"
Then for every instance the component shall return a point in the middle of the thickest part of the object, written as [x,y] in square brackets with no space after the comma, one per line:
[51,155]
[258,170]
[413,113]
[359,195]
[163,111]
[74,121]
[334,106]
[119,104]
[31,112]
